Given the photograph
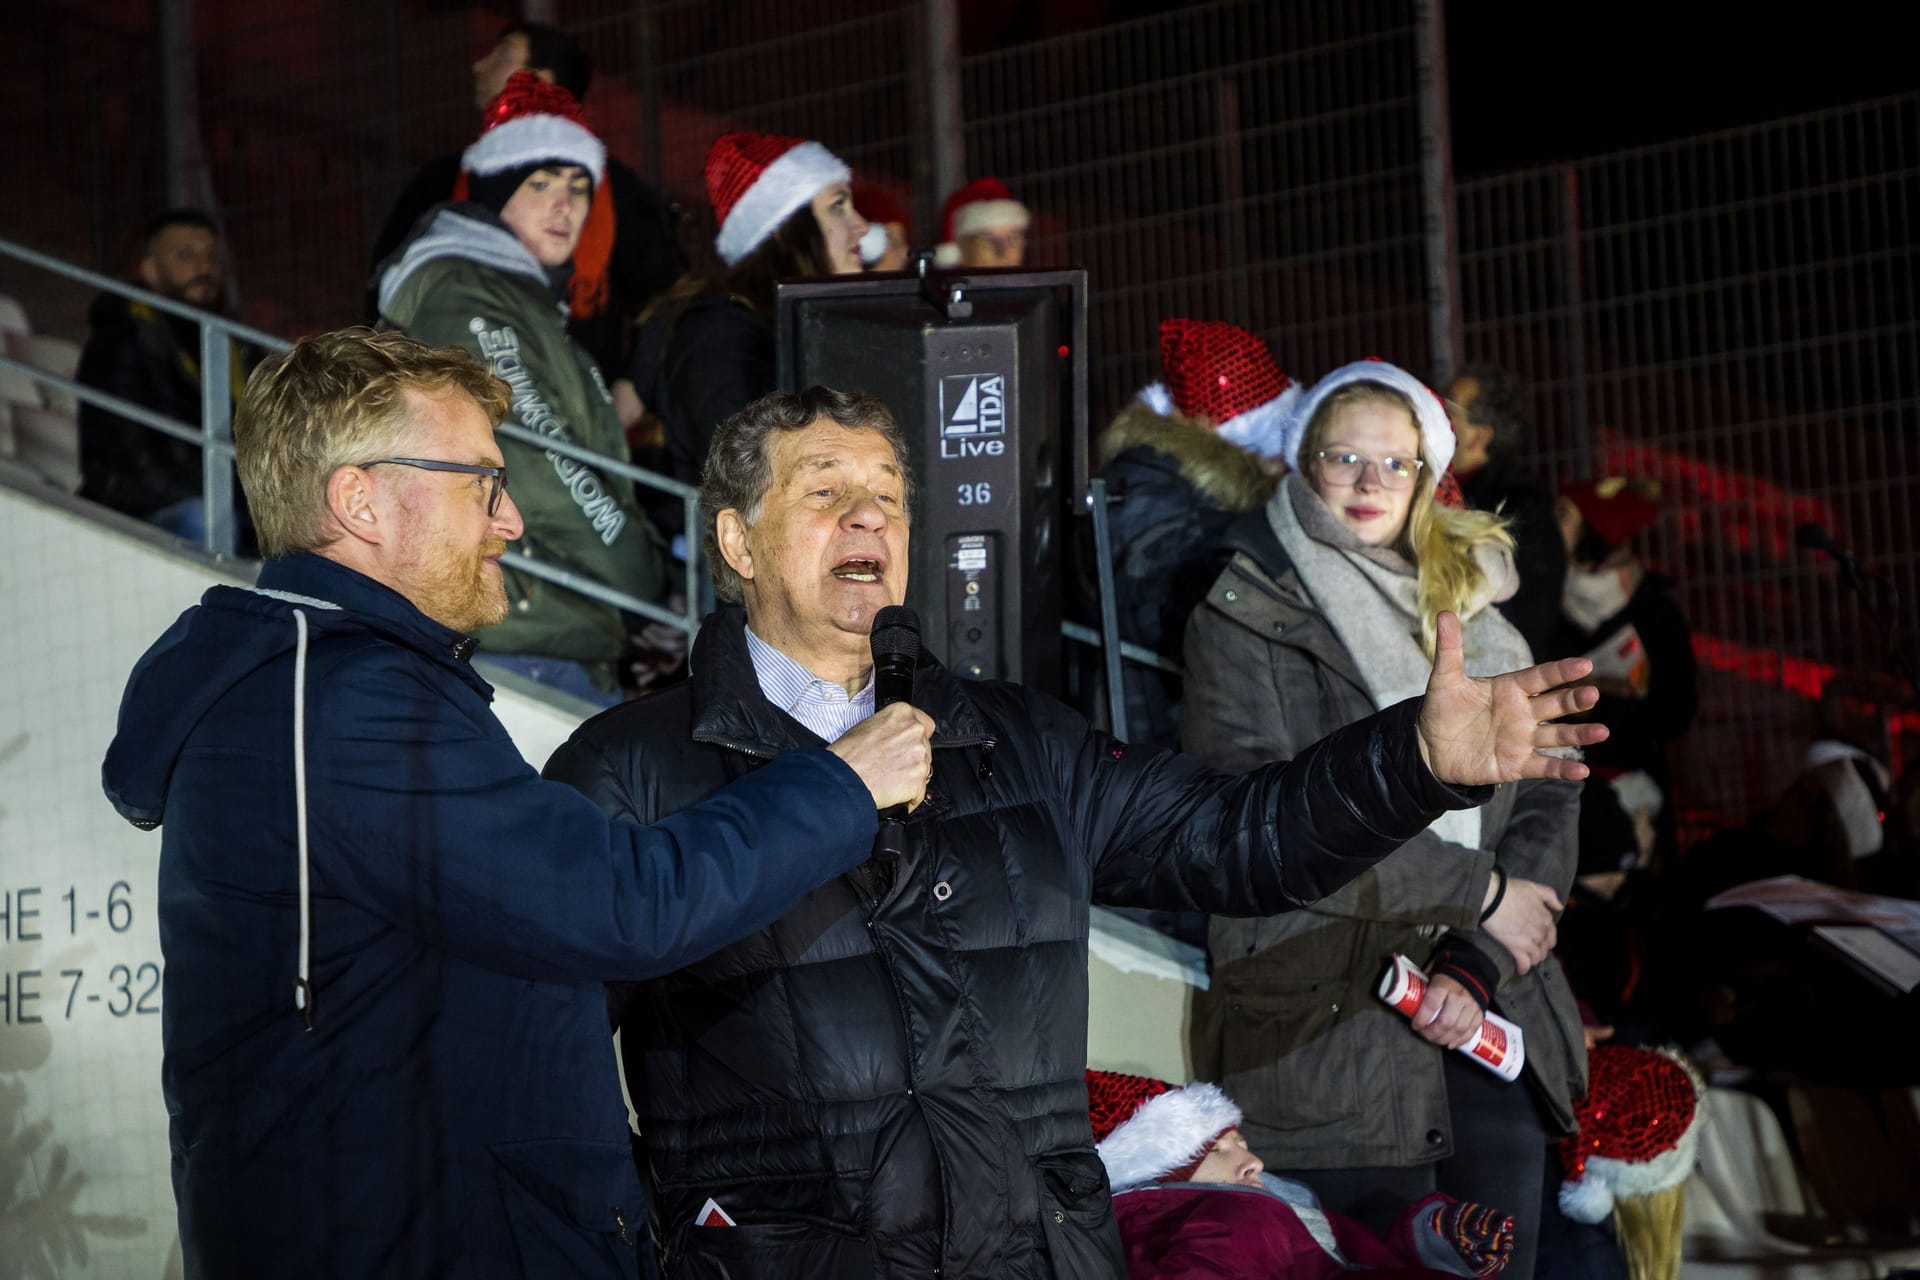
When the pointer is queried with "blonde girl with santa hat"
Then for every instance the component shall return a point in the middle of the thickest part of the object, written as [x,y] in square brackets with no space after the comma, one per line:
[1324,614]
[704,351]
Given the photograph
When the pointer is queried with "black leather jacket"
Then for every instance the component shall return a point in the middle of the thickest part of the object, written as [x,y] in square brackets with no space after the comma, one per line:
[888,1081]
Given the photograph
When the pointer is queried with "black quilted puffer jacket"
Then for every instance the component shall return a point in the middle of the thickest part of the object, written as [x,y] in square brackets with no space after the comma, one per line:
[888,1081]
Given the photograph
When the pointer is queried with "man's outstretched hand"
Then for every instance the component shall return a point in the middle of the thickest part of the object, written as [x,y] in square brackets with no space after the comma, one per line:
[1475,731]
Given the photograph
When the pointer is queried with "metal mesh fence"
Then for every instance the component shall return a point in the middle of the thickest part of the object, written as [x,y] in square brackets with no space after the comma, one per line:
[1732,314]
[810,68]
[1735,316]
[89,81]
[1245,161]
[313,118]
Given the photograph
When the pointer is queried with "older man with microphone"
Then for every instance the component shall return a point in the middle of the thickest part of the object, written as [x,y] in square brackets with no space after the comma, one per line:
[888,1080]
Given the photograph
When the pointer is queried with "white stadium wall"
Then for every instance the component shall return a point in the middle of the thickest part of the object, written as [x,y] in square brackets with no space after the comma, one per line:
[83,1129]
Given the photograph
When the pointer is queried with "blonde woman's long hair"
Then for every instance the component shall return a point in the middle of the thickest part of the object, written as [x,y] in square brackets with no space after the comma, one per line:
[1439,540]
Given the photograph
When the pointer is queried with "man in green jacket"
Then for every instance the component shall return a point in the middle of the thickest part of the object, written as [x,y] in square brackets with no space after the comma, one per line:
[488,274]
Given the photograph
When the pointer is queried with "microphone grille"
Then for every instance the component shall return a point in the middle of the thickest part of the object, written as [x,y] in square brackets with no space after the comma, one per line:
[896,631]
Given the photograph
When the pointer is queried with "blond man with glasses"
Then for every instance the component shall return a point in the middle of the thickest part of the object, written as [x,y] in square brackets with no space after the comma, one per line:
[386,1042]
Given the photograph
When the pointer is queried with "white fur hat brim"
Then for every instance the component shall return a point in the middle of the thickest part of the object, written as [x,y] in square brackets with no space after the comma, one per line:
[1262,429]
[525,140]
[1605,1179]
[785,185]
[1168,1132]
[990,215]
[1157,398]
[1591,1199]
[1436,430]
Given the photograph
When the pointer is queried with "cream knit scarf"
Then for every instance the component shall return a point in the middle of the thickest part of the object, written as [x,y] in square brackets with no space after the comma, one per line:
[1370,597]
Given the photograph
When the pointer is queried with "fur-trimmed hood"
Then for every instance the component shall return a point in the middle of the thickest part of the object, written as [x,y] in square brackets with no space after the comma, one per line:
[1225,475]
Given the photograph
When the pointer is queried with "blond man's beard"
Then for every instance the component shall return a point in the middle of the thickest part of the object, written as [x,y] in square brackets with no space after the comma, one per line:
[465,596]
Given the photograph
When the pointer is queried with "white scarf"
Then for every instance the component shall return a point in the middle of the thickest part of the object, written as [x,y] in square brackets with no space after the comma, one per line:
[1590,596]
[1370,597]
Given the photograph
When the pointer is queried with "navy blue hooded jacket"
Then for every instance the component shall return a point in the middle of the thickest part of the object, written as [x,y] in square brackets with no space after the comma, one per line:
[454,1109]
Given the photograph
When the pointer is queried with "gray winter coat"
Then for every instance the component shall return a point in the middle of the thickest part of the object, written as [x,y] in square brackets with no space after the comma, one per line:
[1328,1076]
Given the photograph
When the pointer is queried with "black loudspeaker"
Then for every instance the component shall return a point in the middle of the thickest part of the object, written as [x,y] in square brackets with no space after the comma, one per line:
[986,374]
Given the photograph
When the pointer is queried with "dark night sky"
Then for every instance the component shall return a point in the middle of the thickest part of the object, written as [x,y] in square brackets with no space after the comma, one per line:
[1552,80]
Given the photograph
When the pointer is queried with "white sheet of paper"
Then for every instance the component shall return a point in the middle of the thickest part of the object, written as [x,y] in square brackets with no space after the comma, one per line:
[1875,952]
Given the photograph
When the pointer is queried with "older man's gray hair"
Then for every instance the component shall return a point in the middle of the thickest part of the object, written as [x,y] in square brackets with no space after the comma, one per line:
[739,466]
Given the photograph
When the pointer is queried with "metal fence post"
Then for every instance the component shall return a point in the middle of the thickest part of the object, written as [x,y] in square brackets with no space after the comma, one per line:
[186,178]
[1576,295]
[646,69]
[1109,608]
[946,142]
[375,201]
[1436,191]
[216,451]
[1233,197]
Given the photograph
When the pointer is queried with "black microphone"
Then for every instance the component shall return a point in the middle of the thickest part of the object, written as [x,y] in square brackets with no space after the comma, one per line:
[1814,537]
[896,652]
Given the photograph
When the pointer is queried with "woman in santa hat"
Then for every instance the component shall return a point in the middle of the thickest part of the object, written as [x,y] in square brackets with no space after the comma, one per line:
[982,225]
[1325,614]
[705,351]
[492,273]
[1191,1200]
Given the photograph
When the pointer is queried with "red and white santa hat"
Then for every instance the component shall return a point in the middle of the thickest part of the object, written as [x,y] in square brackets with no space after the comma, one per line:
[984,204]
[1429,414]
[756,181]
[1640,1126]
[530,122]
[1226,375]
[1147,1130]
[1615,507]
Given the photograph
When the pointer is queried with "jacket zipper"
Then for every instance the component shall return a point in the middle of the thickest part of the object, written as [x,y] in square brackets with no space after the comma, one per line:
[986,746]
[913,1087]
[741,747]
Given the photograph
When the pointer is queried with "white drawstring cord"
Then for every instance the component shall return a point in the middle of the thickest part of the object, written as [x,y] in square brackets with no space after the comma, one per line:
[302,987]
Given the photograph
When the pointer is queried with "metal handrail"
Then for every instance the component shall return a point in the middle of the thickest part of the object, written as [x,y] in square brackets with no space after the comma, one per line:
[215,439]
[689,503]
[107,400]
[214,436]
[159,302]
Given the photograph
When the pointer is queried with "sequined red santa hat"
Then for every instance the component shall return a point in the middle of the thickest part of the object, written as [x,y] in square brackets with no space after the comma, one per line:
[756,181]
[1147,1130]
[985,204]
[1429,414]
[531,123]
[1226,375]
[1639,1127]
